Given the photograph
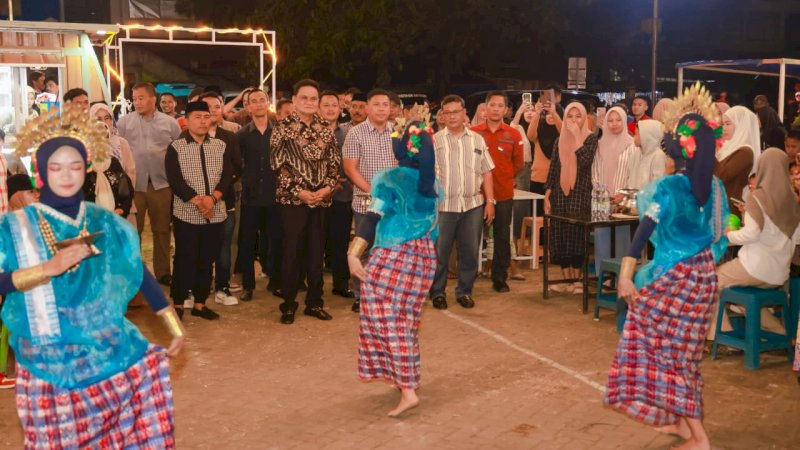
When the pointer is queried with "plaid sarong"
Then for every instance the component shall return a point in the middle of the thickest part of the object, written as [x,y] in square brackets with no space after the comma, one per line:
[398,280]
[655,377]
[131,410]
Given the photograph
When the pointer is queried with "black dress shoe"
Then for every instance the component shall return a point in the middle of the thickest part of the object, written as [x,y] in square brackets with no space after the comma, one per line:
[356,305]
[346,293]
[317,312]
[440,303]
[166,280]
[466,301]
[247,295]
[205,313]
[500,286]
[287,317]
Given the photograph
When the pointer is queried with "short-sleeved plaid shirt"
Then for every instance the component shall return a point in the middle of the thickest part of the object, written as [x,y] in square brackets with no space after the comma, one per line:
[373,150]
[460,165]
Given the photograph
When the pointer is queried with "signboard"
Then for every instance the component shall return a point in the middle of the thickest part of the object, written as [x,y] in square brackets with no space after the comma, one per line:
[576,73]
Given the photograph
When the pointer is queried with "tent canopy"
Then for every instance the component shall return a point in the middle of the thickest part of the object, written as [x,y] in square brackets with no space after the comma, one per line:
[774,67]
[769,67]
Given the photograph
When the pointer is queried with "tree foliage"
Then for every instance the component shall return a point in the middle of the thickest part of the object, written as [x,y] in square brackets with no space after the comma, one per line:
[376,42]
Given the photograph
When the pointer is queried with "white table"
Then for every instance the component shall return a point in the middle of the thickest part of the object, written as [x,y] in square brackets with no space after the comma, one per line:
[529,196]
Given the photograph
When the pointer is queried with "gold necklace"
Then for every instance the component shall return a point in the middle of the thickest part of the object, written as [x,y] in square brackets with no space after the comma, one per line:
[50,237]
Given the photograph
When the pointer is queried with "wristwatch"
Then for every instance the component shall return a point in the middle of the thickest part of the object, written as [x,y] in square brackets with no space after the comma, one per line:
[492,201]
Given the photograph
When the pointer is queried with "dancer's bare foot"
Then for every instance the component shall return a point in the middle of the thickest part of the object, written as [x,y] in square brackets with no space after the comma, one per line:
[679,429]
[408,400]
[693,444]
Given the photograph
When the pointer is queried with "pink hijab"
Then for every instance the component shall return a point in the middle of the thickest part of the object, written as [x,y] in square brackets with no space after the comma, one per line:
[611,146]
[568,143]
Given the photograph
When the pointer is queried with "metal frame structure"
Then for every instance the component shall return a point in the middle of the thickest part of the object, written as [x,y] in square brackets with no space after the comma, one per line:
[775,67]
[113,49]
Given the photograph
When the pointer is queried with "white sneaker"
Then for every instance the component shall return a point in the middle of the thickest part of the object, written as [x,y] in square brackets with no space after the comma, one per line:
[224,297]
[235,287]
[189,302]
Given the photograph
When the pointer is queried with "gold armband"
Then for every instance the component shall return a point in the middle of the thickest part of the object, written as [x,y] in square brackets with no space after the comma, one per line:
[357,247]
[29,277]
[173,324]
[628,268]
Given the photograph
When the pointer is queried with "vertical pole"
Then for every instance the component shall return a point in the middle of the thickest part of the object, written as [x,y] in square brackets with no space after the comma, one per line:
[680,80]
[782,90]
[655,53]
[11,10]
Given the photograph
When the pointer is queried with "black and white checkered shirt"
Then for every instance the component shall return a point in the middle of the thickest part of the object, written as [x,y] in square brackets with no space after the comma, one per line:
[460,165]
[373,150]
[197,169]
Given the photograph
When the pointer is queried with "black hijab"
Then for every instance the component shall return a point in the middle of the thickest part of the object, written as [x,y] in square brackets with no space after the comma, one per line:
[66,205]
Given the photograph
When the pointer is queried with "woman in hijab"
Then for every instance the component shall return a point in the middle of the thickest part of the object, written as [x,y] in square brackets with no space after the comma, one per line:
[120,148]
[772,132]
[609,172]
[402,223]
[738,157]
[655,375]
[646,162]
[661,108]
[768,238]
[569,191]
[480,115]
[109,186]
[68,268]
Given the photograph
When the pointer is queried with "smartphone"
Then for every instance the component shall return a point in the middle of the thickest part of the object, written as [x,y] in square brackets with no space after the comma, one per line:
[737,201]
[549,95]
[601,111]
[527,98]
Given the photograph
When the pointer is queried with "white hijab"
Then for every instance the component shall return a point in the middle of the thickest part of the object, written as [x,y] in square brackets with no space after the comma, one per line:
[651,133]
[746,134]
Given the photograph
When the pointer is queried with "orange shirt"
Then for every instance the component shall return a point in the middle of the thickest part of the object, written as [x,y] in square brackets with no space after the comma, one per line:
[506,147]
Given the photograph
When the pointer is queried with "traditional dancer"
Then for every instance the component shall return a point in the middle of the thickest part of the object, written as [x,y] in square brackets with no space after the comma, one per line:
[401,267]
[86,377]
[655,377]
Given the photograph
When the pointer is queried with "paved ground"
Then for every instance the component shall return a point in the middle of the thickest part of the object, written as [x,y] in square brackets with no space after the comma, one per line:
[505,375]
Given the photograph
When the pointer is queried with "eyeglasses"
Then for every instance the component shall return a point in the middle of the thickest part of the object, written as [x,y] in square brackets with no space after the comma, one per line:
[451,113]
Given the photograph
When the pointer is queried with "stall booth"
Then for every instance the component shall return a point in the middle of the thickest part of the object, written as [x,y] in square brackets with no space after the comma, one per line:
[773,67]
[63,52]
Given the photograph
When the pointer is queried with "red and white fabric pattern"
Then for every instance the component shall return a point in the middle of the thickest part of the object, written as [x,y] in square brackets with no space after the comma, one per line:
[398,280]
[130,410]
[655,377]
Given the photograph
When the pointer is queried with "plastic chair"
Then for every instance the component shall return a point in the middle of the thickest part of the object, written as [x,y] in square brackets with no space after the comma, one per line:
[753,340]
[609,300]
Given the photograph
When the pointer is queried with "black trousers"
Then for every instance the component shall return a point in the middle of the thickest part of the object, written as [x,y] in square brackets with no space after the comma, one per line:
[501,259]
[260,224]
[338,223]
[197,247]
[303,228]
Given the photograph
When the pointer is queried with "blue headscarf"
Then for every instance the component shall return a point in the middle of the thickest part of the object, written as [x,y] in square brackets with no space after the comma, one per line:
[66,205]
[424,160]
[700,167]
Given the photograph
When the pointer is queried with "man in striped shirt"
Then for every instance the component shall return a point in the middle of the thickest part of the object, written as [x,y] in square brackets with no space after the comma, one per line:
[463,166]
[367,150]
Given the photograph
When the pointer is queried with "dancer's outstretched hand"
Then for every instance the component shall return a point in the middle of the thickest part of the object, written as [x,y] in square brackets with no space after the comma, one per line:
[356,268]
[175,346]
[627,290]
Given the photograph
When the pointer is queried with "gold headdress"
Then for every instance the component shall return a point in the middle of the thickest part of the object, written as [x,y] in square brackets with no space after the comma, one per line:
[694,99]
[68,122]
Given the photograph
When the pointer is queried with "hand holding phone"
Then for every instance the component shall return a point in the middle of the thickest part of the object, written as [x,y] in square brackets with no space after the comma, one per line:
[527,98]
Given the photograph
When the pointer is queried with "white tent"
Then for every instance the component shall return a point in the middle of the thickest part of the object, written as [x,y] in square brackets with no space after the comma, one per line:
[774,67]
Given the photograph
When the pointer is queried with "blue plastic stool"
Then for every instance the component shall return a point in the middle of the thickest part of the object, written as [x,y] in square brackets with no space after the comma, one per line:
[753,340]
[791,317]
[610,300]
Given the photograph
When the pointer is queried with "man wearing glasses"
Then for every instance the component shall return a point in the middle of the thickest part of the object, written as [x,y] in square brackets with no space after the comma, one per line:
[464,167]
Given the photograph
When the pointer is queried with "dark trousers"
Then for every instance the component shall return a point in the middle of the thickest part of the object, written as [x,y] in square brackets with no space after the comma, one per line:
[464,229]
[302,225]
[358,218]
[338,222]
[502,240]
[260,223]
[222,269]
[196,249]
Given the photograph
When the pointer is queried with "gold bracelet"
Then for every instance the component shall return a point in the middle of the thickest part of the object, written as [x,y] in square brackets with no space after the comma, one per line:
[628,268]
[29,277]
[173,324]
[357,247]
